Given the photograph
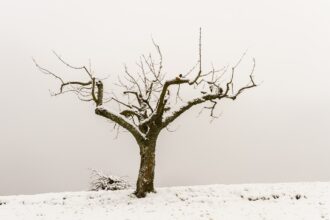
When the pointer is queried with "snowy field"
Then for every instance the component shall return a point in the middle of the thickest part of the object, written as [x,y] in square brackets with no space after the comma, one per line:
[250,201]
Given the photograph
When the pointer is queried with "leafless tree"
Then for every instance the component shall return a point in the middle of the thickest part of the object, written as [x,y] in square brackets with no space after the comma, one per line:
[149,101]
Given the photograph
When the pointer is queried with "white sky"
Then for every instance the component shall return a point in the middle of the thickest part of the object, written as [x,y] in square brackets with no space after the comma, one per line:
[277,132]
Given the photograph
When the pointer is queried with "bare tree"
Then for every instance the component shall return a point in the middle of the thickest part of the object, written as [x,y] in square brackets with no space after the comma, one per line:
[150,102]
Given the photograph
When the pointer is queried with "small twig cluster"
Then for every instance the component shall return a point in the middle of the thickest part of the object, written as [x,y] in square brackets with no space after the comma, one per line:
[101,181]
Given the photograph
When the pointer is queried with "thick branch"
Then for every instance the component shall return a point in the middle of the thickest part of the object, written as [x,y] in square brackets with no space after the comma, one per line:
[121,121]
[190,104]
[161,101]
[74,83]
[99,100]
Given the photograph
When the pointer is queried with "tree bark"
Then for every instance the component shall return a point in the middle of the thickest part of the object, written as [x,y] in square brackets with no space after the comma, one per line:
[145,181]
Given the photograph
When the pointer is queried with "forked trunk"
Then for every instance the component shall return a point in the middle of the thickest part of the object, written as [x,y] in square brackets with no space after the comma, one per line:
[145,181]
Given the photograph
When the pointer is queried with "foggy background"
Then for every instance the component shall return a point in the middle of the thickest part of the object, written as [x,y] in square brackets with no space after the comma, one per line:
[277,132]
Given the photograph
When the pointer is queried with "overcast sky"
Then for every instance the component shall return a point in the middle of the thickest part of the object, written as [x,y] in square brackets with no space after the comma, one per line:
[277,132]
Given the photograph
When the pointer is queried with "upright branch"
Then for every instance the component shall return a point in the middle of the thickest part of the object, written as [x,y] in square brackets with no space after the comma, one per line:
[199,60]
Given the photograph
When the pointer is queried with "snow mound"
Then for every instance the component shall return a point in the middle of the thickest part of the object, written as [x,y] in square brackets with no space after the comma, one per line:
[211,202]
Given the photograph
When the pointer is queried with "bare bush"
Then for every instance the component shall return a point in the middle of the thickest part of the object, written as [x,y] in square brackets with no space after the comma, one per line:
[101,181]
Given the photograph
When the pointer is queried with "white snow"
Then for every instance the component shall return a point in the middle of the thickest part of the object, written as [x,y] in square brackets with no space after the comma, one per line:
[249,201]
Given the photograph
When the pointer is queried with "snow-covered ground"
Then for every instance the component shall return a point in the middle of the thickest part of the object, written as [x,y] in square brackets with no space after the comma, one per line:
[250,201]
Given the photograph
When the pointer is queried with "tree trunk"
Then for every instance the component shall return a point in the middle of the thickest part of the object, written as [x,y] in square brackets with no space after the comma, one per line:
[145,181]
